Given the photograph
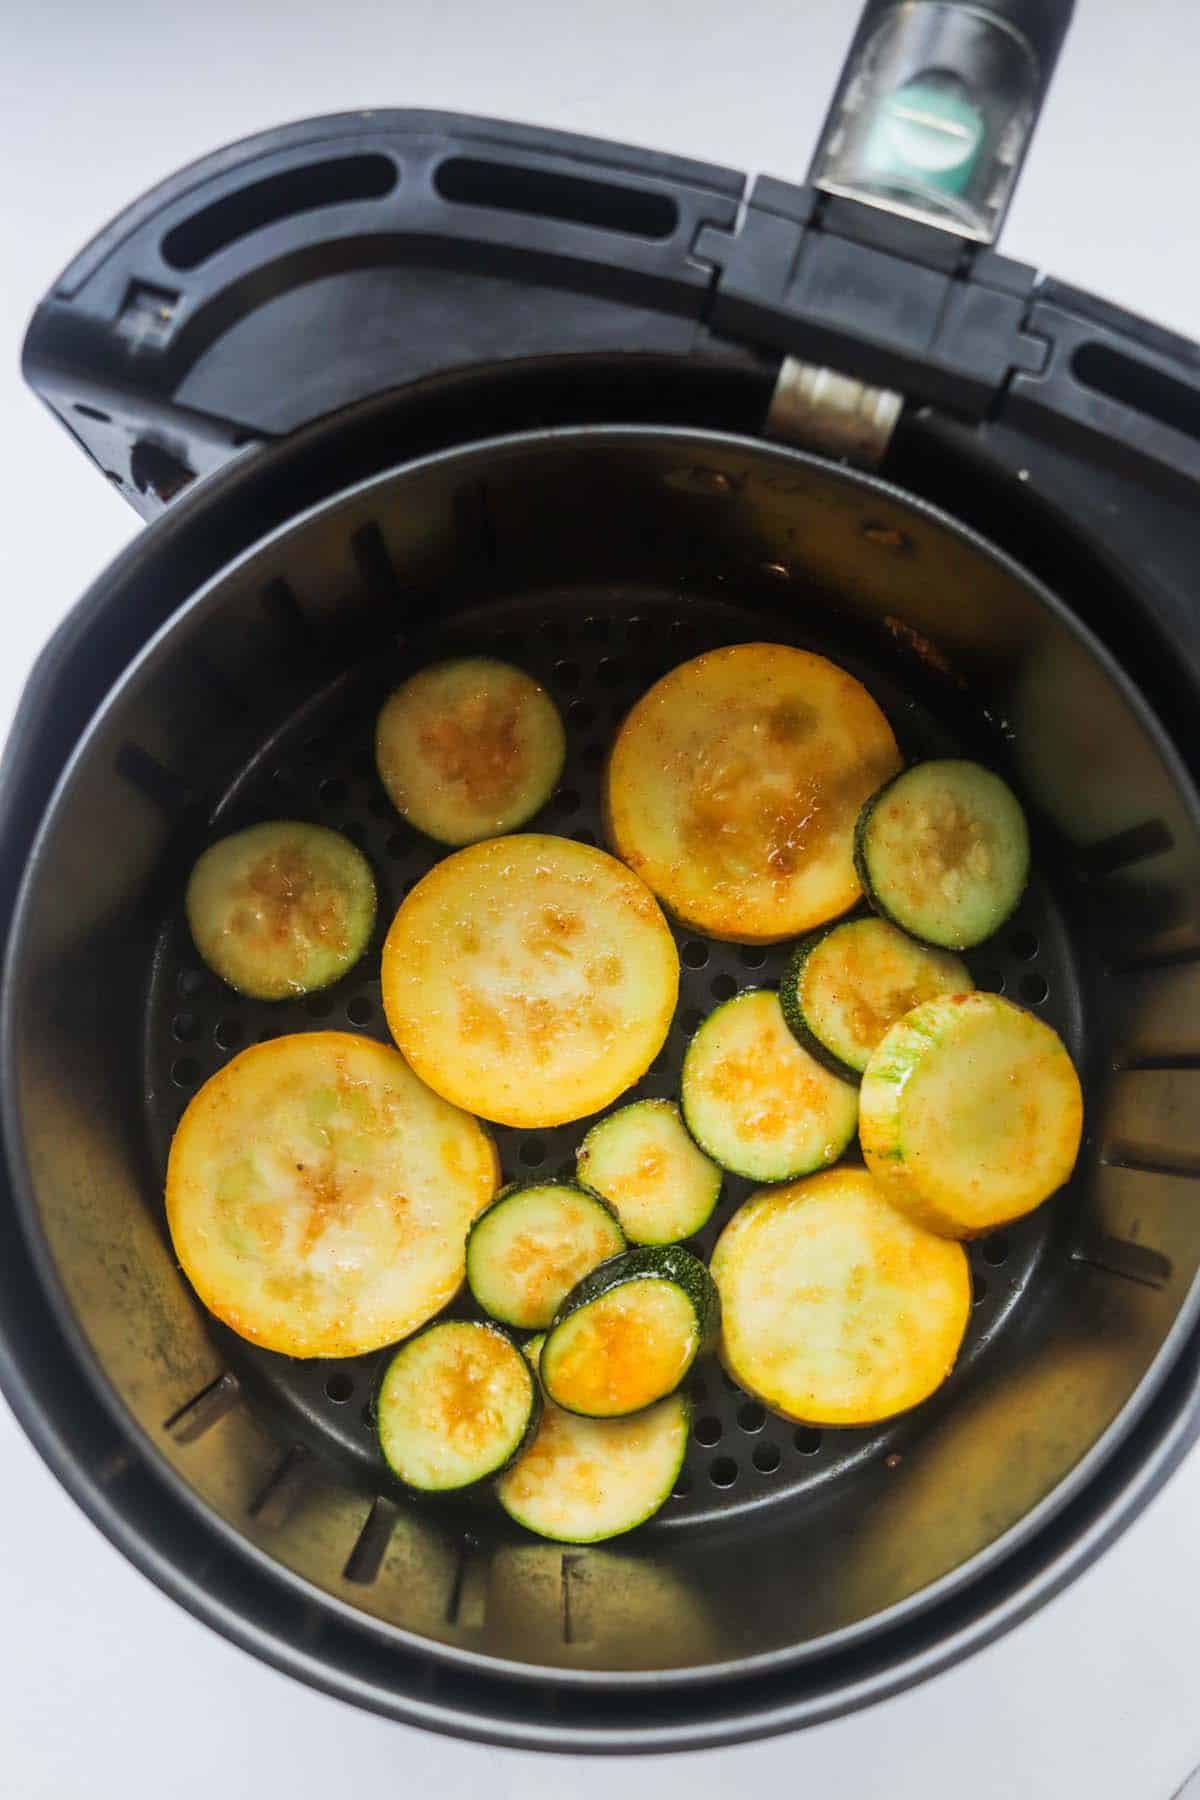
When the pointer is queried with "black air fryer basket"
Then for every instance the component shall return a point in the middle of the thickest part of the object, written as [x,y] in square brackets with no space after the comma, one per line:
[392,385]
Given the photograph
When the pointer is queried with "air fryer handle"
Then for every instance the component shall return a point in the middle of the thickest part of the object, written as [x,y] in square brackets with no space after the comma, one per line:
[936,106]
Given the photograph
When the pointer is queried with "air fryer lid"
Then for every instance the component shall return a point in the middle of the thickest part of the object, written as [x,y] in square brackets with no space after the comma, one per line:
[598,558]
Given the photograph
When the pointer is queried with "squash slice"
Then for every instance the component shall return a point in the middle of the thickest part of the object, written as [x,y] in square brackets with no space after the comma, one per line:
[530,979]
[836,1309]
[319,1194]
[734,786]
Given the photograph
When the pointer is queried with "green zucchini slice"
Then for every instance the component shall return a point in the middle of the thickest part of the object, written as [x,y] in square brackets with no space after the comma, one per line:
[835,1308]
[756,1101]
[845,986]
[971,1113]
[943,851]
[530,1247]
[643,1159]
[457,1404]
[281,909]
[629,1333]
[469,749]
[583,1480]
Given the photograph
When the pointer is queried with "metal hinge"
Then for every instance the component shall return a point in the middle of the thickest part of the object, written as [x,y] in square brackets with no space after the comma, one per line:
[835,415]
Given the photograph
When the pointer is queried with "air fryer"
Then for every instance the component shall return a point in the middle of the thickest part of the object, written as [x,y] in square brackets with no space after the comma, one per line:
[390,385]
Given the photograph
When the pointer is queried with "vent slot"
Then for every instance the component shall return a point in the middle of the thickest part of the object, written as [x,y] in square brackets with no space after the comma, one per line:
[572,199]
[339,181]
[1139,386]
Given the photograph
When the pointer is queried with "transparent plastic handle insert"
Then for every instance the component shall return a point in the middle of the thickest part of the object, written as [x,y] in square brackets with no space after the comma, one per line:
[935,109]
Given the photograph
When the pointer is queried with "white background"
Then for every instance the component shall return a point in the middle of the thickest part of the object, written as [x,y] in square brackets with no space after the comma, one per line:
[106,1688]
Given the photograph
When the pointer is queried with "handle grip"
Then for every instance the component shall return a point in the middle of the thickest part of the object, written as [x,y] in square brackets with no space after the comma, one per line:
[936,106]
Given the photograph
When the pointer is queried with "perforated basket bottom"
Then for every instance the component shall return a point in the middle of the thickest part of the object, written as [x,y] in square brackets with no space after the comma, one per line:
[596,652]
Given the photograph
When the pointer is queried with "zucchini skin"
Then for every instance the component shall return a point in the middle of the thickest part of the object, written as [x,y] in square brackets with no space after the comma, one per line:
[676,1109]
[510,1192]
[520,1187]
[789,996]
[873,898]
[685,1111]
[650,1262]
[527,1436]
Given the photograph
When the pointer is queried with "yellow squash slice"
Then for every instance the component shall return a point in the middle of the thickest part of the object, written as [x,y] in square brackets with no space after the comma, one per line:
[970,1113]
[319,1195]
[734,786]
[530,979]
[836,1309]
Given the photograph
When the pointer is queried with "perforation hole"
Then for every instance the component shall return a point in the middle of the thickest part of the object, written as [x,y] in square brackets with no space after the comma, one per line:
[332,792]
[532,1152]
[580,714]
[1024,944]
[185,1071]
[610,672]
[190,982]
[979,1288]
[807,1439]
[566,673]
[568,801]
[707,1431]
[339,1387]
[752,1416]
[751,956]
[360,1011]
[995,1250]
[723,1472]
[722,987]
[1034,989]
[691,1019]
[185,1027]
[683,1485]
[695,953]
[229,1033]
[766,1458]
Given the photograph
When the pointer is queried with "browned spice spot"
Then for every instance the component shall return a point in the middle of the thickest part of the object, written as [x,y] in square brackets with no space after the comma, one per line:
[477,748]
[284,899]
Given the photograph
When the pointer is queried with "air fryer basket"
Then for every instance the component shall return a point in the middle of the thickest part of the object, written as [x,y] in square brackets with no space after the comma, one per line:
[598,557]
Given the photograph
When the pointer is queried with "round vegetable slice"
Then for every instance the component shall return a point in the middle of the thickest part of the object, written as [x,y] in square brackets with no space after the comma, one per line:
[734,785]
[530,979]
[281,908]
[319,1194]
[528,1249]
[457,1404]
[756,1101]
[971,1113]
[629,1333]
[469,749]
[643,1159]
[582,1480]
[837,1309]
[845,986]
[943,851]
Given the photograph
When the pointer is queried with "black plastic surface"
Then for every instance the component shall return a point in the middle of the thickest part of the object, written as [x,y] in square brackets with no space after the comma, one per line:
[315,266]
[319,264]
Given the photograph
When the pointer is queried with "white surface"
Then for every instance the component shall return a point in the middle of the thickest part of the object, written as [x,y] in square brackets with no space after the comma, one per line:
[108,1689]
